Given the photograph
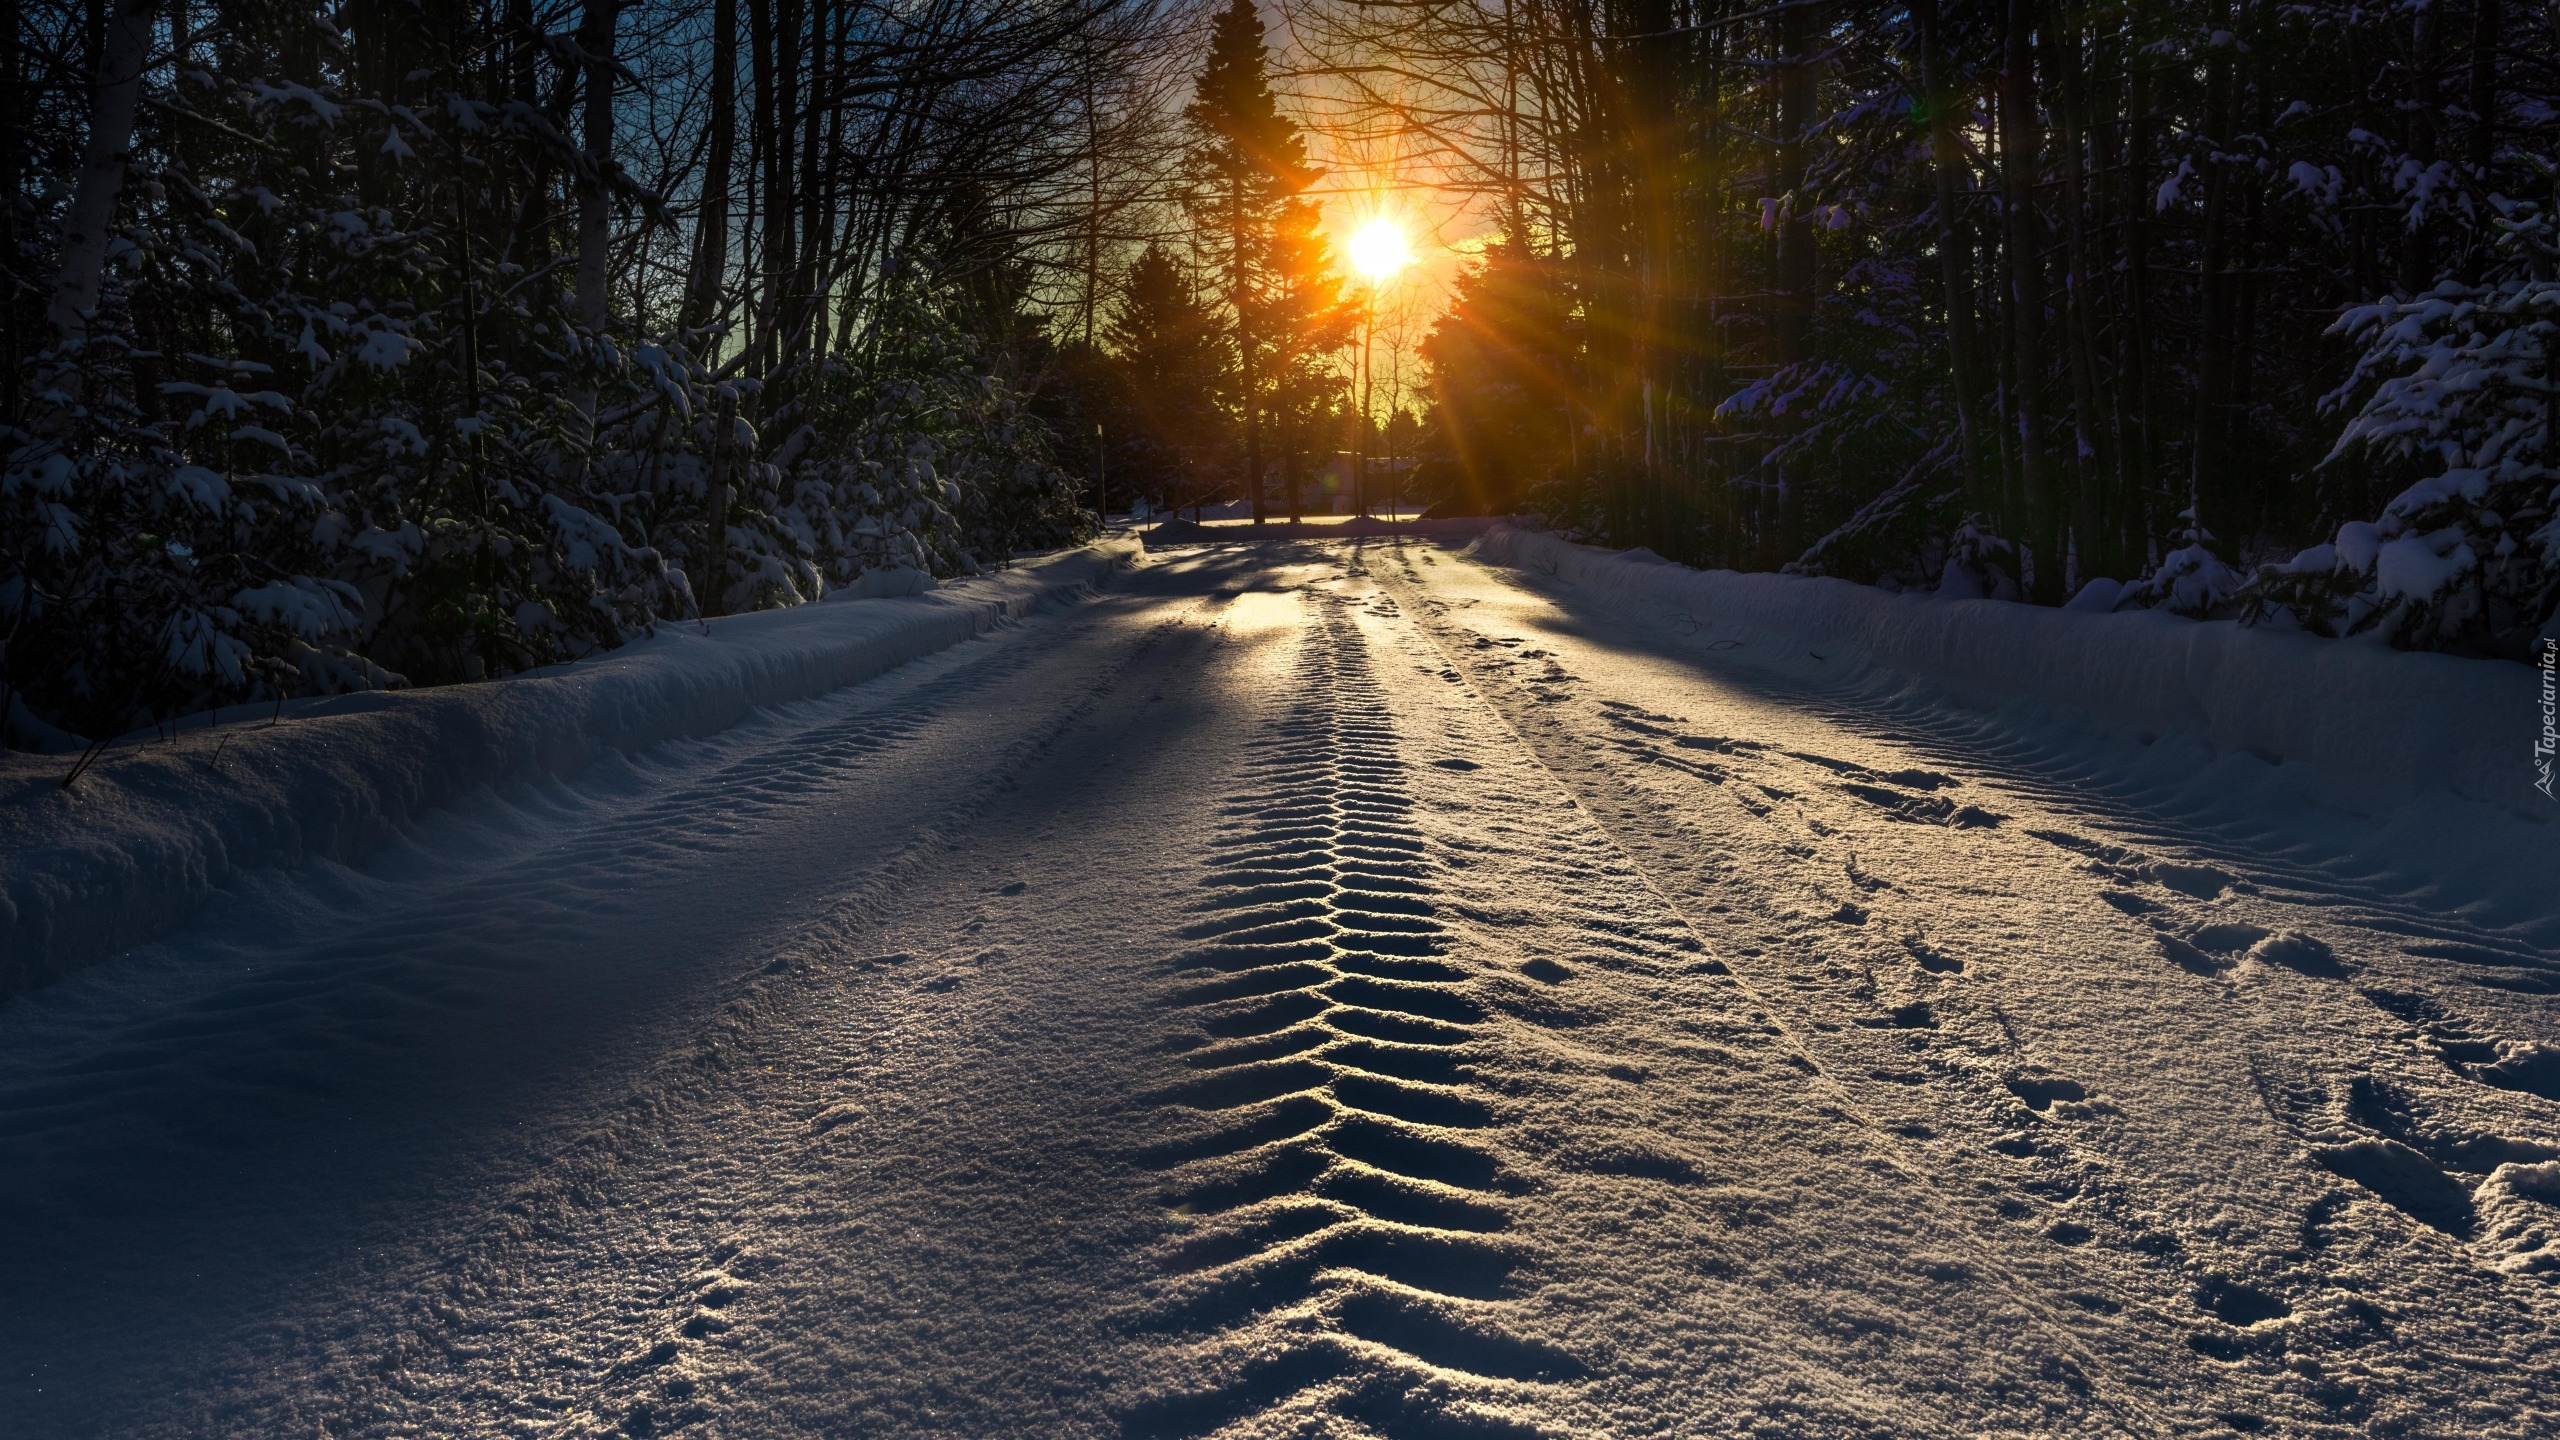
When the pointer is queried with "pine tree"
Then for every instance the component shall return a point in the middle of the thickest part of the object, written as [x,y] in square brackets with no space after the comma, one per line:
[1306,321]
[1249,178]
[2457,393]
[1496,362]
[1173,369]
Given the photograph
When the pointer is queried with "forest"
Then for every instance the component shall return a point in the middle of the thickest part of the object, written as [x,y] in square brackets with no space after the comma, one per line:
[409,342]
[2240,309]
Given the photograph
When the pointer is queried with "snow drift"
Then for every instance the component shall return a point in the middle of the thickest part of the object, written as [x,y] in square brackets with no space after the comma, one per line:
[2378,725]
[145,837]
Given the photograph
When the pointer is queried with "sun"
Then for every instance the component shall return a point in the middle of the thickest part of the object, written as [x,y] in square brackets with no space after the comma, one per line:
[1379,249]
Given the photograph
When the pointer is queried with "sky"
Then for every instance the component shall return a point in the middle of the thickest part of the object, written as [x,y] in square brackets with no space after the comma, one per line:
[1369,177]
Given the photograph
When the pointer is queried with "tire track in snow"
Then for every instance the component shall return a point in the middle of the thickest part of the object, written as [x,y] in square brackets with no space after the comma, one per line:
[1347,1234]
[2176,1285]
[2132,803]
[1953,1095]
[544,1289]
[217,1050]
[1527,701]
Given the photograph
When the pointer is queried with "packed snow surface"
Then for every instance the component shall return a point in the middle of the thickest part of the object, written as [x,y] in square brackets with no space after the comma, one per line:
[147,835]
[2381,725]
[1346,988]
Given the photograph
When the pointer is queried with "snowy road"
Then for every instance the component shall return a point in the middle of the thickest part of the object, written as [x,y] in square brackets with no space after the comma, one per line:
[1316,990]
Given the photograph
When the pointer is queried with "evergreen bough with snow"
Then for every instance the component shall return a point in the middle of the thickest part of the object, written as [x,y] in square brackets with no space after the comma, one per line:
[2459,390]
[335,422]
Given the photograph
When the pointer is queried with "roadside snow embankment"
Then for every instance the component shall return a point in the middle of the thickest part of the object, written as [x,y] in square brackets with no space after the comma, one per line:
[148,835]
[2377,725]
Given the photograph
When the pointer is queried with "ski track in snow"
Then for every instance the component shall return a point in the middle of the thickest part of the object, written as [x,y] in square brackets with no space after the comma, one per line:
[1328,990]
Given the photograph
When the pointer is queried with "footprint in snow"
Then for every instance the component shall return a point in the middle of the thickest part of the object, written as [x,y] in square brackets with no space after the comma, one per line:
[2405,1180]
[2531,1067]
[2186,956]
[2057,1098]
[2296,951]
[2238,1304]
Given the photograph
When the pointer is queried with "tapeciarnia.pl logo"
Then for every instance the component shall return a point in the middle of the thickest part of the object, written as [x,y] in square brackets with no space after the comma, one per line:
[2549,739]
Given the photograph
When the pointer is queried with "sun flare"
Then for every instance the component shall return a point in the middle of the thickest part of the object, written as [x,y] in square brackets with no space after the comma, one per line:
[1379,249]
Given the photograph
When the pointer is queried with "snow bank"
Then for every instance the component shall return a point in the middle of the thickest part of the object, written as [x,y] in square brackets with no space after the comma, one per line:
[1175,530]
[148,834]
[2379,725]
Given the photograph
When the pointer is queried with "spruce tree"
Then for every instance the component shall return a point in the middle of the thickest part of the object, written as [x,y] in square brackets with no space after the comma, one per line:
[1304,321]
[1174,369]
[1249,177]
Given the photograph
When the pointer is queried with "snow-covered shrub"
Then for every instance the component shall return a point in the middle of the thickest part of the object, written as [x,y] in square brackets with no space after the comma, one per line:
[1903,540]
[1013,495]
[140,578]
[1979,565]
[319,438]
[2190,580]
[909,452]
[2461,387]
[1862,408]
[936,390]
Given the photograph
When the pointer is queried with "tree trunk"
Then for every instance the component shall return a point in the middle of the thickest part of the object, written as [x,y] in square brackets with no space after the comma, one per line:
[2135,390]
[2417,249]
[1955,251]
[809,308]
[124,51]
[2088,473]
[715,537]
[2484,86]
[13,172]
[2018,161]
[1354,471]
[2209,480]
[1720,537]
[772,144]
[1245,382]
[1093,210]
[829,265]
[702,301]
[595,199]
[2485,22]
[2248,502]
[1292,451]
[1792,334]
[528,239]
[1650,64]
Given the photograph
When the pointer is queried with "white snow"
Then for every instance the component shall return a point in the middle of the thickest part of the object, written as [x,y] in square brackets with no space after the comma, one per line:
[2519,1207]
[153,829]
[1319,989]
[2377,725]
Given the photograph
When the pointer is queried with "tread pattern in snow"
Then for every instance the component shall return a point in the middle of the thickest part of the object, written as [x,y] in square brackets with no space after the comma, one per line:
[1346,1252]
